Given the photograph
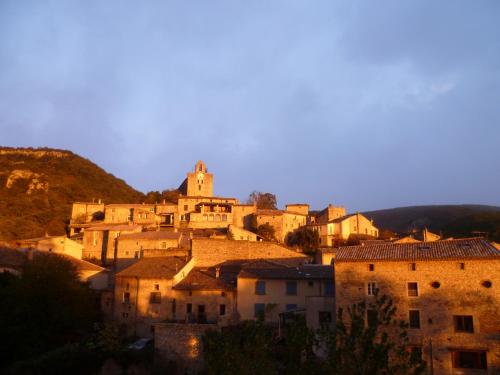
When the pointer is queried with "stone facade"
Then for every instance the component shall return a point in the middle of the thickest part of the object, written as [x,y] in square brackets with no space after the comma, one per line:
[446,292]
[210,252]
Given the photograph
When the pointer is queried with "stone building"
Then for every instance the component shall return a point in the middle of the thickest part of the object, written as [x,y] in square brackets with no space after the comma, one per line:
[344,228]
[271,291]
[284,222]
[143,292]
[448,292]
[54,244]
[138,244]
[99,241]
[198,183]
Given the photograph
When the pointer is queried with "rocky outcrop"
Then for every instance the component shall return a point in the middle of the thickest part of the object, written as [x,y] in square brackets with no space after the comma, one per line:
[36,180]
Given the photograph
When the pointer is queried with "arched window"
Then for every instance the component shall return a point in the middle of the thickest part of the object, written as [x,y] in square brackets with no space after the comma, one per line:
[217,217]
[224,217]
[205,217]
[211,217]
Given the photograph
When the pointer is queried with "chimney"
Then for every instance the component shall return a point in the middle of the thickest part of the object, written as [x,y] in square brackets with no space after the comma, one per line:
[217,272]
[99,201]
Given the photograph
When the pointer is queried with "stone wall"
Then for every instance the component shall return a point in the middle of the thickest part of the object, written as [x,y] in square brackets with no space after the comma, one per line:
[182,343]
[210,252]
[459,292]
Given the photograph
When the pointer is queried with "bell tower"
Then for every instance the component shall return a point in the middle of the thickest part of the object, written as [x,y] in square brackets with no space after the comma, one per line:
[200,183]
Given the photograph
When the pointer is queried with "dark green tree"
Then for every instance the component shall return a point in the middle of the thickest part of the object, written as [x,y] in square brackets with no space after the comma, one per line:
[245,349]
[371,341]
[44,308]
[304,238]
[263,200]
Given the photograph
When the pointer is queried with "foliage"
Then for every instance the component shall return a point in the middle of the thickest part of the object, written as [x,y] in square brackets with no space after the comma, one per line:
[371,341]
[263,200]
[266,231]
[70,178]
[245,349]
[169,195]
[304,238]
[44,308]
[255,348]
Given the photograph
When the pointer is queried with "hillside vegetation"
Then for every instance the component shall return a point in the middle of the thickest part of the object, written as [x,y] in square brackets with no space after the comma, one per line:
[38,187]
[450,220]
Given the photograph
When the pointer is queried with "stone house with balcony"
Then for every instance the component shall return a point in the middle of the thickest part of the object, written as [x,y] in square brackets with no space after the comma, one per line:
[447,291]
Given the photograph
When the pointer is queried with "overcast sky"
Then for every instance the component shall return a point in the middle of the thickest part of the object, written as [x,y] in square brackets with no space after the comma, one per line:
[366,104]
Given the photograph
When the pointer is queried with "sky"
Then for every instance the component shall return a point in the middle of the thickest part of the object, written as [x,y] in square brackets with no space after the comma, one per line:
[365,104]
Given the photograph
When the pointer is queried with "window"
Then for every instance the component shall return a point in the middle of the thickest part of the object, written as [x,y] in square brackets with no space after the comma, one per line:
[371,267]
[259,309]
[463,323]
[157,286]
[222,310]
[125,315]
[291,288]
[412,266]
[371,288]
[329,289]
[436,284]
[486,284]
[163,245]
[224,217]
[461,266]
[414,317]
[325,317]
[291,306]
[185,207]
[155,298]
[310,283]
[412,289]
[469,359]
[189,308]
[126,297]
[260,288]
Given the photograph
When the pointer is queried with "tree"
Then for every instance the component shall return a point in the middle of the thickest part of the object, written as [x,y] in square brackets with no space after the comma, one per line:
[44,308]
[372,341]
[263,200]
[266,231]
[245,349]
[304,238]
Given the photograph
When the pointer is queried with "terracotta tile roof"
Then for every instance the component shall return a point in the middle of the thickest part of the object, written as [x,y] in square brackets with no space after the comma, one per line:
[152,235]
[118,227]
[342,218]
[267,212]
[293,213]
[154,268]
[448,249]
[129,205]
[202,279]
[305,272]
[80,264]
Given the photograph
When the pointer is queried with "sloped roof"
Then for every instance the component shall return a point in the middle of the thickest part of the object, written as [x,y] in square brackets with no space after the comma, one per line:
[305,272]
[119,227]
[342,218]
[268,212]
[154,268]
[152,235]
[447,249]
[202,279]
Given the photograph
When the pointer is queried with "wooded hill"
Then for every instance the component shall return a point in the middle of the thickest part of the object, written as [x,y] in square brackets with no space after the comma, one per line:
[448,220]
[38,187]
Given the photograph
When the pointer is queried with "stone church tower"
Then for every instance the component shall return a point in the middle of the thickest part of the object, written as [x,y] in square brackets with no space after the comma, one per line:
[199,183]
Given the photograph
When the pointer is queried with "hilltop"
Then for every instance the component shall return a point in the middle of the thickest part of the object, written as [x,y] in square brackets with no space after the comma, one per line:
[450,220]
[39,185]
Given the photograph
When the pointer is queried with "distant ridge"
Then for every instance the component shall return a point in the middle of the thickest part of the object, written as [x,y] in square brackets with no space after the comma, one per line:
[38,186]
[450,220]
